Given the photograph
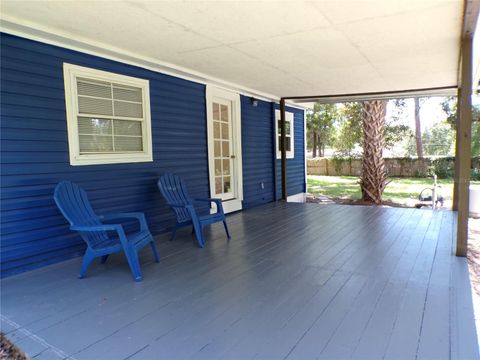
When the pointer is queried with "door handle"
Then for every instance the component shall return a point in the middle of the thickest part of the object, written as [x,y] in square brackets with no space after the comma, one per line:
[232,156]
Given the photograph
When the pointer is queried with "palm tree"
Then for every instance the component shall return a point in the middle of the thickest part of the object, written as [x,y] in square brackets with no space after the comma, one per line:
[374,177]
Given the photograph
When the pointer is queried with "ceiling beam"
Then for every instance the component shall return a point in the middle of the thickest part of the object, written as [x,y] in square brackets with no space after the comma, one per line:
[379,95]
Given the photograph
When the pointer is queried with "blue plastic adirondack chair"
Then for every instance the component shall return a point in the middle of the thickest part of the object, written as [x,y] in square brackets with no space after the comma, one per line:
[75,206]
[175,193]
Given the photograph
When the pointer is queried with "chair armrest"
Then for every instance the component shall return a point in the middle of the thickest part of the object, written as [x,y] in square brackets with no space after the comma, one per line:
[217,202]
[91,228]
[109,216]
[104,227]
[134,215]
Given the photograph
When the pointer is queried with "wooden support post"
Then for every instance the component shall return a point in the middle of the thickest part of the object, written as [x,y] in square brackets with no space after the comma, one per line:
[457,151]
[463,157]
[283,149]
[275,152]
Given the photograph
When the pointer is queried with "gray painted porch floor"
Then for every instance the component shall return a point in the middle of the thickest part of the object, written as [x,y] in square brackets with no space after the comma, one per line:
[296,281]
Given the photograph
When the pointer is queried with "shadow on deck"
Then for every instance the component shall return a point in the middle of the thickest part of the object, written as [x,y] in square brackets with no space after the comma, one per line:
[296,281]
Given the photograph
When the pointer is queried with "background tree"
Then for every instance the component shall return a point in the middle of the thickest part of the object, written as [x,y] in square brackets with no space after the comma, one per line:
[350,132]
[449,106]
[374,177]
[311,133]
[439,139]
[395,132]
[320,127]
[418,129]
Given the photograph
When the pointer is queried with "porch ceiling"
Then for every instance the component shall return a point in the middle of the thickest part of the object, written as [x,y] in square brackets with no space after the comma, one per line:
[276,48]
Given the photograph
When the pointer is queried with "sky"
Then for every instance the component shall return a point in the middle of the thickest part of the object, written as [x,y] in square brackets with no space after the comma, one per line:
[431,112]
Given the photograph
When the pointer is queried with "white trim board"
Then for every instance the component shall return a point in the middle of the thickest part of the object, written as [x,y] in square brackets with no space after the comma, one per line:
[297,198]
[70,75]
[210,93]
[289,117]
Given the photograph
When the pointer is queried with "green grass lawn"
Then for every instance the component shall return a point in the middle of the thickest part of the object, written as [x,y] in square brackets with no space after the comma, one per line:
[400,190]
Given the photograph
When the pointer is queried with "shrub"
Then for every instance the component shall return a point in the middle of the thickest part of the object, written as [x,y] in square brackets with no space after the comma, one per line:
[338,162]
[443,167]
[475,174]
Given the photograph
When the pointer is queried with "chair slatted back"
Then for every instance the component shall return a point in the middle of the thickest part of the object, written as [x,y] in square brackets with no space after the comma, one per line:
[73,202]
[175,192]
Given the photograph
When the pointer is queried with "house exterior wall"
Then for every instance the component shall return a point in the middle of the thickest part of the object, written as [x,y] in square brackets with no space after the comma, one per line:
[35,156]
[257,153]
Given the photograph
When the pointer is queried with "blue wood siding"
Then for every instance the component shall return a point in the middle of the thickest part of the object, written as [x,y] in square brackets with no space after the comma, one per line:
[296,182]
[34,153]
[257,152]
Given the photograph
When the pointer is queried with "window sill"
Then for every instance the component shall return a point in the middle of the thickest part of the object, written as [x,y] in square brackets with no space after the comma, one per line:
[88,160]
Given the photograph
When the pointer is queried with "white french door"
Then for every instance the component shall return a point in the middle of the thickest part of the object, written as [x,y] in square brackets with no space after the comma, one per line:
[224,147]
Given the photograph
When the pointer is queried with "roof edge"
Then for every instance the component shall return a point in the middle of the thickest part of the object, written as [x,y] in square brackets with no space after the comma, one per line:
[380,95]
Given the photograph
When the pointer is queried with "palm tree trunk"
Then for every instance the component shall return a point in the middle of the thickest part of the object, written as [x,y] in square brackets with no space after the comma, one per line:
[418,129]
[374,177]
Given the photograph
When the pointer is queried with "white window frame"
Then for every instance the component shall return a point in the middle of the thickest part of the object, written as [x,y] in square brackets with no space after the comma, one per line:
[70,75]
[289,117]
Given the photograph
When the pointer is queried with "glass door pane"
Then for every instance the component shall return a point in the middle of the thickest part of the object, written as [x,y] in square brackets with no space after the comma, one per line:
[222,138]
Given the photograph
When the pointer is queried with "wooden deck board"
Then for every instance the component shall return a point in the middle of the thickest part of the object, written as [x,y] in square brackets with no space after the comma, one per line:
[377,333]
[296,281]
[396,262]
[436,317]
